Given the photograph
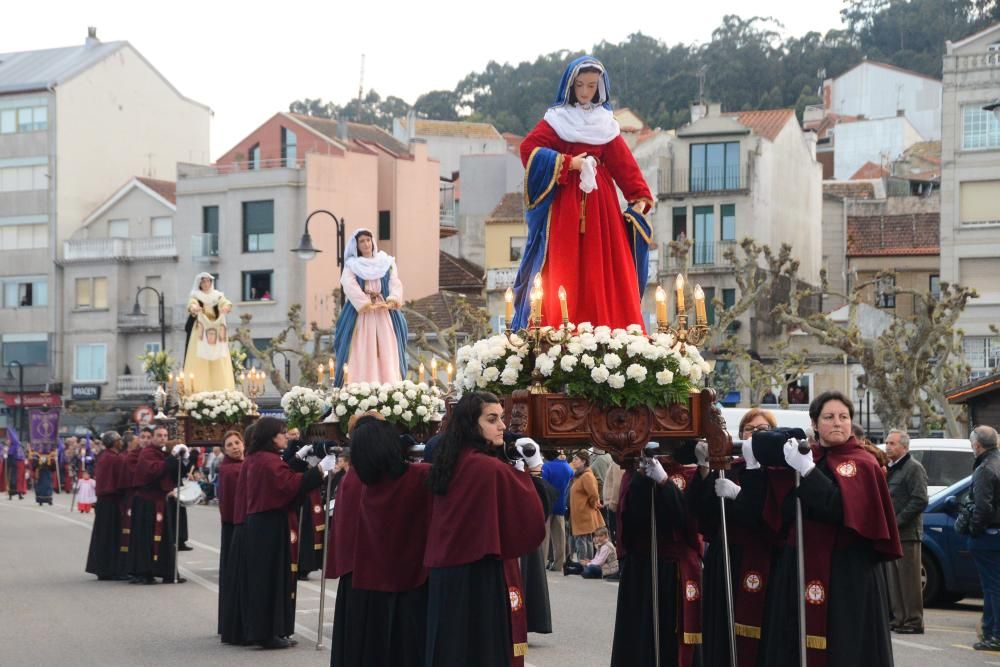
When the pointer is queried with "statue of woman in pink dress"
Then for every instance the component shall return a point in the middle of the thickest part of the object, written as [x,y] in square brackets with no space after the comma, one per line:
[371,331]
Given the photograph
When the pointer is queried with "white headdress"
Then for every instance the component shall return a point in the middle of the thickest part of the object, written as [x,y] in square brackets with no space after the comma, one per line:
[367,268]
[583,123]
[212,296]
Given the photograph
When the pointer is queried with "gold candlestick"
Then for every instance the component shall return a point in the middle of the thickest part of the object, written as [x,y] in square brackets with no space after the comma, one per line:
[434,371]
[661,307]
[420,372]
[563,306]
[679,286]
[700,314]
[508,299]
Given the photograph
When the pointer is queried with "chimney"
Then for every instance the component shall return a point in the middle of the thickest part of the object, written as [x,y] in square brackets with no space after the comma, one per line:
[698,111]
[92,40]
[411,125]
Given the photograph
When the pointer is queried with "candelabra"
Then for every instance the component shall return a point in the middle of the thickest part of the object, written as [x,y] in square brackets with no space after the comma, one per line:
[683,335]
[181,386]
[160,400]
[252,382]
[538,337]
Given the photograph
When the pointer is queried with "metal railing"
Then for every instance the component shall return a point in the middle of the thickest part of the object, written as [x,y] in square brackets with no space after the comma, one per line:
[205,247]
[703,254]
[135,385]
[200,171]
[150,321]
[447,216]
[708,180]
[500,278]
[119,249]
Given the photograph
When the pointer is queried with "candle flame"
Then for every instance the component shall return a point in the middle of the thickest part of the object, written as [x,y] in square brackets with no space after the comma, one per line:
[661,294]
[698,292]
[509,295]
[680,281]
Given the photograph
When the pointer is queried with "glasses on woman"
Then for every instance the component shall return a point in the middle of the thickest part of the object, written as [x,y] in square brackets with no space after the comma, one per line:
[750,430]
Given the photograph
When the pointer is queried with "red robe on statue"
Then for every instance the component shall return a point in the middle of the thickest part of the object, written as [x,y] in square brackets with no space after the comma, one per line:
[588,253]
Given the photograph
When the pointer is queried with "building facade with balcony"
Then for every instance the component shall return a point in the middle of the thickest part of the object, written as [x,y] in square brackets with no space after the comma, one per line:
[127,243]
[75,123]
[970,190]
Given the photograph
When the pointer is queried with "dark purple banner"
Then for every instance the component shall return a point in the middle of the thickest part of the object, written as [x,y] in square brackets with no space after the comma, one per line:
[44,429]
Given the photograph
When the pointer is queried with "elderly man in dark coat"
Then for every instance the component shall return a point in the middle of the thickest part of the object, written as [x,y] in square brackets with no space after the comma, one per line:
[908,489]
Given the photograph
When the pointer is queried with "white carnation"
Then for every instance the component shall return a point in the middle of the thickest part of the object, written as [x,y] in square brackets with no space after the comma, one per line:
[616,380]
[612,360]
[421,410]
[341,410]
[587,361]
[664,377]
[636,372]
[684,366]
[491,373]
[568,363]
[599,374]
[386,410]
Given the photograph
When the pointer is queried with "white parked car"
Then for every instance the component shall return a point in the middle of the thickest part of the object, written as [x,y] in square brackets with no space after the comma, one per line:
[946,460]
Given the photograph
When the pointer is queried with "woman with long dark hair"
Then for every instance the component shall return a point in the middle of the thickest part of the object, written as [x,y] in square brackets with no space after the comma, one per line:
[228,476]
[485,515]
[381,611]
[273,488]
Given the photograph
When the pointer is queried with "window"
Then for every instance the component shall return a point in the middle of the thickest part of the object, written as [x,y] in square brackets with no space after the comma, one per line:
[680,218]
[384,226]
[934,285]
[257,285]
[117,229]
[92,293]
[24,237]
[517,247]
[8,121]
[24,119]
[210,228]
[28,349]
[709,304]
[20,179]
[25,292]
[728,302]
[800,391]
[980,129]
[162,226]
[979,202]
[289,147]
[728,214]
[704,224]
[982,353]
[152,348]
[254,158]
[715,166]
[258,226]
[90,363]
[885,294]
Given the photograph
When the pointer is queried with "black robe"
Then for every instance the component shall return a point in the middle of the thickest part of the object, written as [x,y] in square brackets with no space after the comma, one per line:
[633,637]
[857,630]
[150,557]
[105,557]
[537,608]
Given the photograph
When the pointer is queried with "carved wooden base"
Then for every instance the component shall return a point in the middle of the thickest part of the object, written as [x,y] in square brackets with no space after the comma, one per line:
[199,434]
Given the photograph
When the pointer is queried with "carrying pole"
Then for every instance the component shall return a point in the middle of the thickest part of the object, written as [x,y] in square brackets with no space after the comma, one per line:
[729,580]
[177,523]
[326,545]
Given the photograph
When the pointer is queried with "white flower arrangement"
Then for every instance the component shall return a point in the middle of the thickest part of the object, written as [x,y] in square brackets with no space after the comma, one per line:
[607,366]
[407,403]
[218,407]
[303,407]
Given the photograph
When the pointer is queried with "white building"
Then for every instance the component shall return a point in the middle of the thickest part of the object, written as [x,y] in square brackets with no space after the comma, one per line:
[880,141]
[75,124]
[970,190]
[447,141]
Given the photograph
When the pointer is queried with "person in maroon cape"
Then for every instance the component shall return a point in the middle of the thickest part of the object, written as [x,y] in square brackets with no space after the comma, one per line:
[485,515]
[381,612]
[105,557]
[651,487]
[228,476]
[270,532]
[849,529]
[126,488]
[154,477]
[233,583]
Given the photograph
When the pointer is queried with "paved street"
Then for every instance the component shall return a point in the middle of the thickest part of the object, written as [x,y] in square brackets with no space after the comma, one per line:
[54,613]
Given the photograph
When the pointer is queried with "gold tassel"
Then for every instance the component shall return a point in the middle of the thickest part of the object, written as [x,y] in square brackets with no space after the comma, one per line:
[692,637]
[818,643]
[583,213]
[750,631]
[520,650]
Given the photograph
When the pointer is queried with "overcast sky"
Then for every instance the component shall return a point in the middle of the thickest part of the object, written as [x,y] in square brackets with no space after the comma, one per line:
[248,63]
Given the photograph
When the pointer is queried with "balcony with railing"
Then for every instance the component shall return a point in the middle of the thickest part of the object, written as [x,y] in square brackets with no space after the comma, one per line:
[119,249]
[704,256]
[706,181]
[185,170]
[500,279]
[205,247]
[149,321]
[135,385]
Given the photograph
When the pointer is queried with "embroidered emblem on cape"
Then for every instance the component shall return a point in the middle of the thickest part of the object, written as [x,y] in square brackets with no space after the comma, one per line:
[691,591]
[159,517]
[292,536]
[753,582]
[815,593]
[679,481]
[847,469]
[516,601]
[317,509]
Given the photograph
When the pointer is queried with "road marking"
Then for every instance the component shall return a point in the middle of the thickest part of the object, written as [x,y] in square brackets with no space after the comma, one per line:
[969,648]
[925,647]
[959,631]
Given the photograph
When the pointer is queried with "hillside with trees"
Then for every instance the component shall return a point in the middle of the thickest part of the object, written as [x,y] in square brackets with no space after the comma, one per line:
[746,64]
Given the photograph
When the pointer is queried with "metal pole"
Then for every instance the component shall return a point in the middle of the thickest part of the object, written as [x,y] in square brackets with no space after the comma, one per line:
[163,324]
[326,544]
[654,568]
[177,525]
[729,580]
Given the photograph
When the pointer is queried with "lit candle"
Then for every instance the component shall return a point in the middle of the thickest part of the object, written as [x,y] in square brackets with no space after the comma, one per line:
[680,294]
[345,375]
[420,372]
[661,305]
[319,374]
[170,380]
[450,371]
[243,377]
[508,298]
[563,307]
[434,369]
[699,306]
[332,366]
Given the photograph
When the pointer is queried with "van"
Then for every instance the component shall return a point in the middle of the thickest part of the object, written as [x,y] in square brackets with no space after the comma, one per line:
[946,460]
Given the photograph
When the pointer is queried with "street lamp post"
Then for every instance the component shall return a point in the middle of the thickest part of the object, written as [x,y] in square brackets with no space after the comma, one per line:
[137,312]
[20,394]
[288,365]
[306,251]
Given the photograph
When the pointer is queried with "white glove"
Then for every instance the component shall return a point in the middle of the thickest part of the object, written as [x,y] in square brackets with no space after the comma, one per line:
[725,488]
[519,465]
[801,463]
[182,450]
[652,469]
[701,453]
[303,451]
[328,463]
[533,461]
[588,174]
[751,460]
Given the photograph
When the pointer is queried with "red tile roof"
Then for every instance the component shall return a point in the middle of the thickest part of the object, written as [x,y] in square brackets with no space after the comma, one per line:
[166,189]
[441,309]
[893,235]
[460,275]
[767,123]
[510,208]
[849,190]
[427,127]
[868,171]
[360,133]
